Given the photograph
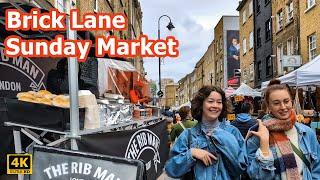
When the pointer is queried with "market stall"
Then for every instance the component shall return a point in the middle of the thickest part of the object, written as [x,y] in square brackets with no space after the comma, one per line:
[245,90]
[243,94]
[109,119]
[306,75]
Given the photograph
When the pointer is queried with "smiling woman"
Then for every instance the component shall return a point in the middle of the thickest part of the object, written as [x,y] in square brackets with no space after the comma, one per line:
[288,149]
[213,145]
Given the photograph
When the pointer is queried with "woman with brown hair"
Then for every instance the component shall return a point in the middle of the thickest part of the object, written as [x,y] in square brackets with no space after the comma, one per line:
[186,122]
[212,148]
[282,148]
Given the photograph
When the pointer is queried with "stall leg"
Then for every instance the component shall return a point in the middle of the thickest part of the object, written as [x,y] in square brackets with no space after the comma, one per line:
[17,147]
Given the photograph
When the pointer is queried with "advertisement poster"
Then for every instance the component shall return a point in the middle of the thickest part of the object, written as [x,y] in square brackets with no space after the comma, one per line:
[233,59]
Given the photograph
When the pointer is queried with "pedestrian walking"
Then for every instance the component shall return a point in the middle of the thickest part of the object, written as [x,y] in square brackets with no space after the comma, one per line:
[186,122]
[288,149]
[244,120]
[212,148]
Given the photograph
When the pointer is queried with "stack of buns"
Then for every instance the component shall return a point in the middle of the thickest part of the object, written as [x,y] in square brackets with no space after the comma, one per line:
[44,97]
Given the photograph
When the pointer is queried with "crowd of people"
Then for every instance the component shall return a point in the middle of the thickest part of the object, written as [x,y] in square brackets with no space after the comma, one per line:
[207,146]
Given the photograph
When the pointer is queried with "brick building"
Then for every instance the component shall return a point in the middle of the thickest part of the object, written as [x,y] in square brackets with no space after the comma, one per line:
[263,61]
[285,20]
[246,30]
[309,29]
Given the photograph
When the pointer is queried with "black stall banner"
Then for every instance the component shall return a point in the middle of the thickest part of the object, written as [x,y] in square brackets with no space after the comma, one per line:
[58,164]
[148,144]
[23,74]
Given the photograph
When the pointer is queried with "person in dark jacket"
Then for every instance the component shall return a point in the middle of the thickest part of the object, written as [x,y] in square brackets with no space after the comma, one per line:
[244,121]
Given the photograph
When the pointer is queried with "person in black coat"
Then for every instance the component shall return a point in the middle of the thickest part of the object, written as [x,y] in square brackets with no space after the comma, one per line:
[244,121]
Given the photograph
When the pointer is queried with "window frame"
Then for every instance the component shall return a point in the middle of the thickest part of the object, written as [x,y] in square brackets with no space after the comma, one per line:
[290,13]
[313,49]
[251,40]
[269,65]
[95,5]
[250,8]
[251,71]
[268,30]
[244,45]
[259,41]
[309,4]
[280,20]
[244,16]
[259,68]
[290,48]
[279,57]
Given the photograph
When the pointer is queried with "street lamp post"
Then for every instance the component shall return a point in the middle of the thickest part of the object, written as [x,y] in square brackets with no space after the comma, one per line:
[170,27]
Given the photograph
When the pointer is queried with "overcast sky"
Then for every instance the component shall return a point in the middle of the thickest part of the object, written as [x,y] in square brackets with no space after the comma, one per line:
[194,21]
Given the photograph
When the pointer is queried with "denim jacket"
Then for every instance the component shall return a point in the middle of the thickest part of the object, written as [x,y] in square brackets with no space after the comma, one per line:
[263,168]
[227,140]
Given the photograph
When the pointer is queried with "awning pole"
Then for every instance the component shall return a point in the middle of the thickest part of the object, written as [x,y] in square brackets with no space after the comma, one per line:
[73,91]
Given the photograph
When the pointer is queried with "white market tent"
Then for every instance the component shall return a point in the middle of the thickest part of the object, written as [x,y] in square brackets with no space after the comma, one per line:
[245,90]
[306,75]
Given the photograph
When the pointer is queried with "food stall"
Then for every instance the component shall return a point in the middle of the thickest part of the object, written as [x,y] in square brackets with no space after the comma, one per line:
[79,121]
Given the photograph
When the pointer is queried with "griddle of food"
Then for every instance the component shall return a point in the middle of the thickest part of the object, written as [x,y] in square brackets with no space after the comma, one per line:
[44,97]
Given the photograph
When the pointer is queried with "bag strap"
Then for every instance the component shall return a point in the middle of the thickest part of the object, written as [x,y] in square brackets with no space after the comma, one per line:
[301,155]
[182,125]
[189,138]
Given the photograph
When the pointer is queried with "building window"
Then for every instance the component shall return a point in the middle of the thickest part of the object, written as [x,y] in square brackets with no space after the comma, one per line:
[217,46]
[63,5]
[266,2]
[217,66]
[269,66]
[258,6]
[268,29]
[290,12]
[290,47]
[312,40]
[251,72]
[250,8]
[279,58]
[258,37]
[121,2]
[95,5]
[310,3]
[244,16]
[279,20]
[220,43]
[251,40]
[259,70]
[244,45]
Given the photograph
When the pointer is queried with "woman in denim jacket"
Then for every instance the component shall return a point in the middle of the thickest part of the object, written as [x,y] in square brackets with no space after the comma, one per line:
[288,149]
[214,150]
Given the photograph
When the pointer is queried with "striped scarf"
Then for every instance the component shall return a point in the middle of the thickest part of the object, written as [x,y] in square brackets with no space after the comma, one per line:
[278,140]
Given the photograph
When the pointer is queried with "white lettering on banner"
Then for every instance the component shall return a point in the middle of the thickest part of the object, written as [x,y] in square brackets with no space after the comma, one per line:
[26,66]
[10,86]
[141,141]
[103,175]
[55,171]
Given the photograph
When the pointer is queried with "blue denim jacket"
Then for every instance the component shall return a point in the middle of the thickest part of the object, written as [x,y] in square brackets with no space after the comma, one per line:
[263,168]
[227,139]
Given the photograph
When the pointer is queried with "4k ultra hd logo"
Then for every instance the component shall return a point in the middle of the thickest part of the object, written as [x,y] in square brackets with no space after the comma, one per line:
[19,164]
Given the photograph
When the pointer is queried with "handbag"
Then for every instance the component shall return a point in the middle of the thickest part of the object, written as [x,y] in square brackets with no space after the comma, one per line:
[189,175]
